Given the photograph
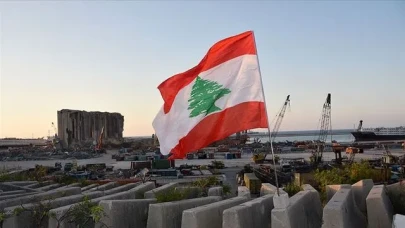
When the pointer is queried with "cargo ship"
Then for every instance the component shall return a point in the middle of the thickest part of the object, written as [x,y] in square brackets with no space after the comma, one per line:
[379,134]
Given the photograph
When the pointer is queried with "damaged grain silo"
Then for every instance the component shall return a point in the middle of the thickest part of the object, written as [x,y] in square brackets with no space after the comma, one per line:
[76,127]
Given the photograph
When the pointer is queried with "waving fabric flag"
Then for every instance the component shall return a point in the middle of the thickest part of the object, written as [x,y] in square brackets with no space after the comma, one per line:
[220,96]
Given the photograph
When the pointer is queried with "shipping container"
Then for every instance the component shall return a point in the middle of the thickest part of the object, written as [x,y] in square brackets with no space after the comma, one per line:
[161,164]
[141,165]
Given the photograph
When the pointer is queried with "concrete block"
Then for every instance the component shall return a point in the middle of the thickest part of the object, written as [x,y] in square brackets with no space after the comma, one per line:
[399,221]
[10,187]
[121,188]
[139,191]
[304,211]
[33,185]
[12,192]
[162,189]
[49,187]
[169,215]
[396,192]
[360,193]
[25,219]
[39,197]
[243,192]
[88,187]
[216,191]
[252,214]
[342,212]
[125,213]
[39,184]
[379,208]
[210,215]
[269,189]
[103,187]
[281,201]
[307,187]
[74,185]
[134,193]
[22,183]
[6,197]
[332,189]
[397,187]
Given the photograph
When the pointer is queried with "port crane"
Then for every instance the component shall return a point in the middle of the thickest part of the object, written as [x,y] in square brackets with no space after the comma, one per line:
[326,127]
[259,158]
[280,117]
[54,128]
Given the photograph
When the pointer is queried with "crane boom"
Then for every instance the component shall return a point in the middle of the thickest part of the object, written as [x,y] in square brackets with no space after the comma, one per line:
[54,128]
[325,121]
[324,129]
[280,117]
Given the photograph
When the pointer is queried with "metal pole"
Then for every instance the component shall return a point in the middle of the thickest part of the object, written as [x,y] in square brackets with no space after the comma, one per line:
[267,117]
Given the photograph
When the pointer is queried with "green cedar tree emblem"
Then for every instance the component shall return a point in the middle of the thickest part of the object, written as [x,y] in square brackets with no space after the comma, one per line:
[204,94]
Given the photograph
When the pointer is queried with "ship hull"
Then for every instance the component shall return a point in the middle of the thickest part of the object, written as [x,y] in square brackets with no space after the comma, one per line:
[371,136]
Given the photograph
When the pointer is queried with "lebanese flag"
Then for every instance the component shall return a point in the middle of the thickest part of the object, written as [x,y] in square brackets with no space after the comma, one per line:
[220,96]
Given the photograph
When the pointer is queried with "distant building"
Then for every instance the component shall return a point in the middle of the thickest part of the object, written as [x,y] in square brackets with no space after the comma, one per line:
[76,126]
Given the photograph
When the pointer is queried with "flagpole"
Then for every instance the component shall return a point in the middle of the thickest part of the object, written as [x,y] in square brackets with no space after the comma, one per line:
[267,117]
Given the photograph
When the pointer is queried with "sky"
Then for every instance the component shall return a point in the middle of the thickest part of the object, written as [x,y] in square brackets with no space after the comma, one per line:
[111,56]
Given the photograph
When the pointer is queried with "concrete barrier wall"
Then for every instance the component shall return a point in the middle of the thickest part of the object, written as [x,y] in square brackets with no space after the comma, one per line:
[33,185]
[399,221]
[25,219]
[6,197]
[342,212]
[252,214]
[379,208]
[243,192]
[103,187]
[361,190]
[162,189]
[315,213]
[216,191]
[88,187]
[397,187]
[169,215]
[22,183]
[10,187]
[209,216]
[49,187]
[13,192]
[332,189]
[125,213]
[134,193]
[303,210]
[267,188]
[121,188]
[140,190]
[73,185]
[39,197]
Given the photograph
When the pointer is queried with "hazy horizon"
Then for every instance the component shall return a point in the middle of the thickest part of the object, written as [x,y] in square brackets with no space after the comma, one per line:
[111,56]
[254,130]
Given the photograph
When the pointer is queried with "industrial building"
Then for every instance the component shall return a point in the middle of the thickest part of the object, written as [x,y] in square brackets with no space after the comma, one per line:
[76,126]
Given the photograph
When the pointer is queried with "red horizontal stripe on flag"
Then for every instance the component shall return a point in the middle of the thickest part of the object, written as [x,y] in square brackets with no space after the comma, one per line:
[219,53]
[244,116]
